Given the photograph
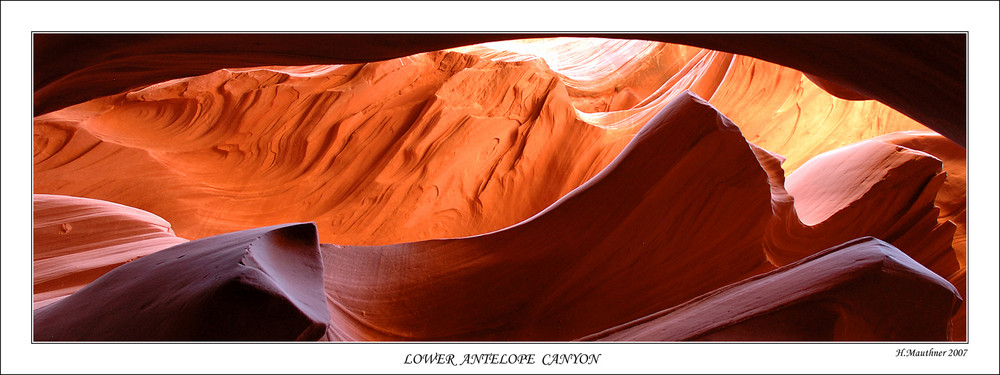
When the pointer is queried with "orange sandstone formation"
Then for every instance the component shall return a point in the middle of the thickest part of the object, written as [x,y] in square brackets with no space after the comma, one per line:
[542,189]
[370,152]
[861,290]
[782,110]
[950,200]
[76,240]
[867,189]
[920,75]
[259,284]
[618,247]
[608,76]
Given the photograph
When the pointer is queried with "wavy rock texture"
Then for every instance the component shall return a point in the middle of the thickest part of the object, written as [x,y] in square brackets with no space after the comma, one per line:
[368,152]
[614,249]
[950,200]
[777,108]
[782,110]
[372,152]
[438,177]
[76,240]
[259,284]
[870,188]
[904,187]
[861,290]
[615,79]
[921,75]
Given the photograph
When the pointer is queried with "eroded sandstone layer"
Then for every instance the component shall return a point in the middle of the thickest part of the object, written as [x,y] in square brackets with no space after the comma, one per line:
[76,240]
[371,152]
[856,291]
[616,248]
[537,189]
[74,68]
[259,284]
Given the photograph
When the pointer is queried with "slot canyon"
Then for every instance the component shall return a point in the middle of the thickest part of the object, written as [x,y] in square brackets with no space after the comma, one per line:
[499,187]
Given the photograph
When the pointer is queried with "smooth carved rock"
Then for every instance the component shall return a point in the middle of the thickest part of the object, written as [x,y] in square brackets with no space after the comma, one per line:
[782,110]
[629,242]
[871,188]
[951,197]
[950,200]
[593,214]
[76,240]
[921,75]
[434,145]
[862,290]
[429,146]
[258,284]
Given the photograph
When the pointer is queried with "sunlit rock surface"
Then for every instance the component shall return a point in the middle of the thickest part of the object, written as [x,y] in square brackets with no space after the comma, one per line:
[259,284]
[551,188]
[74,68]
[950,200]
[76,240]
[371,151]
[869,188]
[620,246]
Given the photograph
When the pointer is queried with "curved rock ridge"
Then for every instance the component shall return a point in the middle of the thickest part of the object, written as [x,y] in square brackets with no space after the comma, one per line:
[428,146]
[959,322]
[950,200]
[541,189]
[778,108]
[835,89]
[601,75]
[922,75]
[904,187]
[870,188]
[259,284]
[782,110]
[861,290]
[76,240]
[619,247]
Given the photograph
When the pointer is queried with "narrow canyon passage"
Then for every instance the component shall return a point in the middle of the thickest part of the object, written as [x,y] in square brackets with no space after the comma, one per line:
[509,190]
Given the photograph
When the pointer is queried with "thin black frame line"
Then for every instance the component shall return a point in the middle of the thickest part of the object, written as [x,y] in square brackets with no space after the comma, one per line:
[552,33]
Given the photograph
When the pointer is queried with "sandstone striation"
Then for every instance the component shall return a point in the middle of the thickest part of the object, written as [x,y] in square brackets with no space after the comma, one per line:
[532,189]
[618,247]
[76,240]
[369,152]
[259,284]
[74,68]
[861,290]
[867,189]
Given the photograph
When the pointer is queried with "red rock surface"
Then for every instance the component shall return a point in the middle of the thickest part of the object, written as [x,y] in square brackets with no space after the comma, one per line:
[950,201]
[74,68]
[783,110]
[589,170]
[76,240]
[425,136]
[862,290]
[870,188]
[259,284]
[618,247]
